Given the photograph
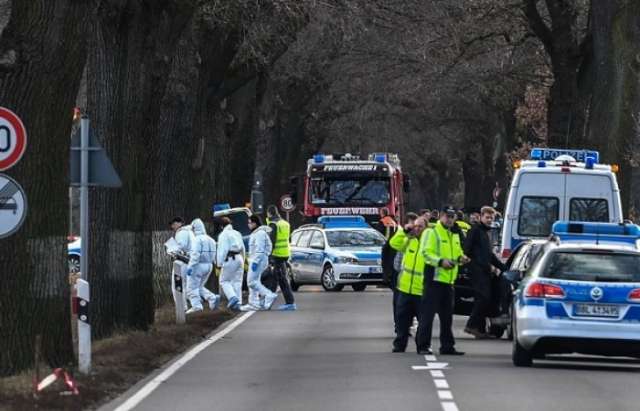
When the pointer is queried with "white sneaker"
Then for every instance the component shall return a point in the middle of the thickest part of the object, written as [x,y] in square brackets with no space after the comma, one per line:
[249,307]
[269,300]
[193,310]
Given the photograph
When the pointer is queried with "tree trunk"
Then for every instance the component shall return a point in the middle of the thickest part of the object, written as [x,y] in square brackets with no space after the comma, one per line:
[616,93]
[42,57]
[133,46]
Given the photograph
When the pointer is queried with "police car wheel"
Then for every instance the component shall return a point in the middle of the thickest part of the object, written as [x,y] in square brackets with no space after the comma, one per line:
[328,280]
[519,355]
[74,264]
[358,287]
[497,330]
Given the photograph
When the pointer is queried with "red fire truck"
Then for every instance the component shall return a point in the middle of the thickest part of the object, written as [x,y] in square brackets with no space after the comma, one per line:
[348,185]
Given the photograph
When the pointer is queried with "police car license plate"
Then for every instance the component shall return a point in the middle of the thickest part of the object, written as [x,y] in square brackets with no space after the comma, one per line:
[375,270]
[596,310]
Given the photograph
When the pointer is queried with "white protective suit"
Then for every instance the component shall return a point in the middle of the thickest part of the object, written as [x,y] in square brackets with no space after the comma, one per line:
[184,237]
[230,243]
[260,248]
[201,257]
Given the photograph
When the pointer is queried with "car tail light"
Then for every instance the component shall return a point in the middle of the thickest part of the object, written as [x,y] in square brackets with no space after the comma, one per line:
[634,296]
[542,290]
[506,253]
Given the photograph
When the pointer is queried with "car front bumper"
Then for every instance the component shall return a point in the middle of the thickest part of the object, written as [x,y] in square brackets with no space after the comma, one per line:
[353,273]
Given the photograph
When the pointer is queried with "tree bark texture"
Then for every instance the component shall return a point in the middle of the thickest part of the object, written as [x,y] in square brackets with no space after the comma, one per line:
[42,55]
[615,120]
[133,44]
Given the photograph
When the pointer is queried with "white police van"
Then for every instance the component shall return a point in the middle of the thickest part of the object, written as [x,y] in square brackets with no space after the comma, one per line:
[581,295]
[557,185]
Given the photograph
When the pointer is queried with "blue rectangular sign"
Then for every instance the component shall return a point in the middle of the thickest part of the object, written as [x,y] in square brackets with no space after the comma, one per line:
[547,154]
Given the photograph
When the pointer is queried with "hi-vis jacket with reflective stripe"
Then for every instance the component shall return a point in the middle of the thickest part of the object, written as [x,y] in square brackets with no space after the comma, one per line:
[410,280]
[441,243]
[281,247]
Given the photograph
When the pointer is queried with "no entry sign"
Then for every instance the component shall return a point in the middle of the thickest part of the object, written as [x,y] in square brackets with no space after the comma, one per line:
[13,139]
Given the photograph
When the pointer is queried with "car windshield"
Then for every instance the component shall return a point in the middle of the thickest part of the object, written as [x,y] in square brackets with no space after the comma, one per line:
[354,191]
[355,238]
[594,266]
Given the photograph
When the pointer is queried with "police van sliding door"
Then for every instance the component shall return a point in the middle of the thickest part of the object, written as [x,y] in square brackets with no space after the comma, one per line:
[588,198]
[539,203]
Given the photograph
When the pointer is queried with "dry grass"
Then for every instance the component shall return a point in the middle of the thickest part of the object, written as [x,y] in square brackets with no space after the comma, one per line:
[118,363]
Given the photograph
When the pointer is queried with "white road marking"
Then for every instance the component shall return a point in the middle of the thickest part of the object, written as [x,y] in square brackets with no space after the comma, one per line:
[441,384]
[188,356]
[445,395]
[430,357]
[437,374]
[449,406]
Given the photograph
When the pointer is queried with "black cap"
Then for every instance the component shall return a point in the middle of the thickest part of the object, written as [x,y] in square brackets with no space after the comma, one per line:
[448,209]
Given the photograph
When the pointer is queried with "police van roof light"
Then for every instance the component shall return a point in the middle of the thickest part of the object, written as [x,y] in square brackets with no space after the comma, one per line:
[542,164]
[589,163]
[553,153]
[318,158]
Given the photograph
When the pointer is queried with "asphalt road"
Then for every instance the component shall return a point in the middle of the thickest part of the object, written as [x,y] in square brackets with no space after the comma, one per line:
[334,354]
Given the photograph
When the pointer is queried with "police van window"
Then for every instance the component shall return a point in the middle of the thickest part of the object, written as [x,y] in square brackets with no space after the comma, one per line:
[593,266]
[295,237]
[304,238]
[589,209]
[317,240]
[537,215]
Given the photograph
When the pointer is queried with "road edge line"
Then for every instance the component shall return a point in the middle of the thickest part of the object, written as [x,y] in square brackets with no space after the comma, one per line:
[151,386]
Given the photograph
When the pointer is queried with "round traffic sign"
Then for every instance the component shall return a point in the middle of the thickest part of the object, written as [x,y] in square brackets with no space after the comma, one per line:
[13,206]
[286,203]
[13,139]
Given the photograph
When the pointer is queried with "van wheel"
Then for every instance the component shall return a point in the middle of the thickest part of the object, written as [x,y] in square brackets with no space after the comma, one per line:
[328,280]
[358,287]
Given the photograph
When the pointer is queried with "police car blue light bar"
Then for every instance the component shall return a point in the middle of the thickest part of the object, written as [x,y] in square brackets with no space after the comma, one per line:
[221,207]
[553,153]
[318,158]
[380,157]
[587,231]
[352,221]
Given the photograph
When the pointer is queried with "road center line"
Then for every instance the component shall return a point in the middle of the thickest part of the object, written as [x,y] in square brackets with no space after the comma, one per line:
[445,395]
[149,387]
[449,406]
[441,384]
[437,374]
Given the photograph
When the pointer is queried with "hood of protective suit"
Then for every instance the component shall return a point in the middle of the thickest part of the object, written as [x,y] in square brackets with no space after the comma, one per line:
[198,227]
[264,228]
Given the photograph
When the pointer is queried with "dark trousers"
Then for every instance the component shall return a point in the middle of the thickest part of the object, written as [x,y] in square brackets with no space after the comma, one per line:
[280,275]
[394,283]
[408,307]
[437,299]
[482,302]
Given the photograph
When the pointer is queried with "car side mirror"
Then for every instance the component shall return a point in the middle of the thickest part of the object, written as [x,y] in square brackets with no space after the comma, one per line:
[514,276]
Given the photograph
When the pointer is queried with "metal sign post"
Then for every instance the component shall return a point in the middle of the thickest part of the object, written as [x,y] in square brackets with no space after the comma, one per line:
[89,166]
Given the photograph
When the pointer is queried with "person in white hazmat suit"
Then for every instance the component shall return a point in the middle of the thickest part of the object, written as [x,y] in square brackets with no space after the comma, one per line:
[201,258]
[259,251]
[230,257]
[183,234]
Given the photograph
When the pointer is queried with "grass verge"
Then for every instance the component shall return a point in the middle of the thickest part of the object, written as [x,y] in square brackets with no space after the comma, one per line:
[118,363]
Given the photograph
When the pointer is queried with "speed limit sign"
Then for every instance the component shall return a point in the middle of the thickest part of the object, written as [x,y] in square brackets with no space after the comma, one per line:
[13,139]
[286,203]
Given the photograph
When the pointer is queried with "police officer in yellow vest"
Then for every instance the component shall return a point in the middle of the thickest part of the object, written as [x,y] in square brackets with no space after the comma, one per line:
[442,251]
[280,232]
[409,284]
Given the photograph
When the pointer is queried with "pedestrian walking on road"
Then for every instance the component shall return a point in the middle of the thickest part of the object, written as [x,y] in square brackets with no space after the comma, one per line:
[183,234]
[280,233]
[201,257]
[409,286]
[230,258]
[259,251]
[442,250]
[483,262]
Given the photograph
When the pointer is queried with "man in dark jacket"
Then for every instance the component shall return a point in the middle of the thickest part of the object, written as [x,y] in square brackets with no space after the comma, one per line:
[483,262]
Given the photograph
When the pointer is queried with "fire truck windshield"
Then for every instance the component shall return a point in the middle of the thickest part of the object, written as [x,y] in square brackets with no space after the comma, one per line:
[351,191]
